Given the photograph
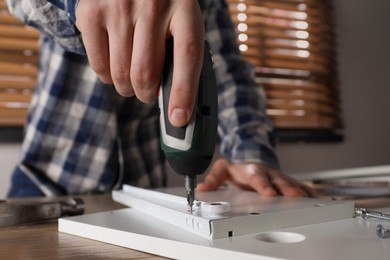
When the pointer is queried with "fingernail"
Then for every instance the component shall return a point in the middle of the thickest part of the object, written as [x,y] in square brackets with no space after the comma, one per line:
[178,117]
[270,191]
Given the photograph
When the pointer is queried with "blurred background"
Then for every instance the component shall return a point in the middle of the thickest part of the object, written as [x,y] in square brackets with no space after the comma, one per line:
[351,128]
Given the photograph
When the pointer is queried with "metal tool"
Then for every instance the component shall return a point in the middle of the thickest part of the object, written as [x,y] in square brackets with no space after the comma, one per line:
[190,149]
[365,213]
[27,212]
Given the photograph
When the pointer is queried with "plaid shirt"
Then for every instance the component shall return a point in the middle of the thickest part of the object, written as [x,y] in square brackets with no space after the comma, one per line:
[82,137]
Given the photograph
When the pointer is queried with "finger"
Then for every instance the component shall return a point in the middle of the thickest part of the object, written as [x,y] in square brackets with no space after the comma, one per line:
[288,187]
[255,177]
[309,190]
[261,184]
[188,33]
[215,178]
[303,188]
[270,182]
[120,47]
[95,40]
[148,54]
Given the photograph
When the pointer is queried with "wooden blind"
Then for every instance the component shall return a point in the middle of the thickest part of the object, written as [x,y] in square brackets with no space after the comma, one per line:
[18,59]
[290,42]
[292,45]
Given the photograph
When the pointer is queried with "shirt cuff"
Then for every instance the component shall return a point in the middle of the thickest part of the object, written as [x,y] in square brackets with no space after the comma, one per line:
[67,5]
[71,6]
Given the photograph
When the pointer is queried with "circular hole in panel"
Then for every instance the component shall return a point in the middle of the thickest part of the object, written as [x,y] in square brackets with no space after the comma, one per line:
[281,237]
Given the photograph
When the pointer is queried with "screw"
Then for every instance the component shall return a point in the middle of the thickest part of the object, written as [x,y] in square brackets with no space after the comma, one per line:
[364,213]
[382,232]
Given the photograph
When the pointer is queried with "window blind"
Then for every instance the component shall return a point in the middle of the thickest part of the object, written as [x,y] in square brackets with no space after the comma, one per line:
[18,58]
[292,46]
[290,42]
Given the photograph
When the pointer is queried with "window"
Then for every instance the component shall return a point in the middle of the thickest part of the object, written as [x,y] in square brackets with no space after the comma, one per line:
[290,42]
[18,57]
[292,46]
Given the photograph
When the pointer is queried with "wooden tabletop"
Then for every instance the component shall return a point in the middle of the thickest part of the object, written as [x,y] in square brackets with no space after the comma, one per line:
[43,241]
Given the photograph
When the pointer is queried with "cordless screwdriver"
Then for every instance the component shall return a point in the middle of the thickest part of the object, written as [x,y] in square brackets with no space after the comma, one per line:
[190,149]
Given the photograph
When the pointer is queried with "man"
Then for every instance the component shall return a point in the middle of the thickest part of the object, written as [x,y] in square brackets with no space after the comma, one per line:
[84,137]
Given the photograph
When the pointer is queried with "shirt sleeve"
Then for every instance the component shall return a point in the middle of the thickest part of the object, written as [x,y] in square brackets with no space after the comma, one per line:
[246,133]
[53,18]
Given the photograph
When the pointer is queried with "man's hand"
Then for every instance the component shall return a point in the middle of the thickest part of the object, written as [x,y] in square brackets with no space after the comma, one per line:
[125,45]
[253,176]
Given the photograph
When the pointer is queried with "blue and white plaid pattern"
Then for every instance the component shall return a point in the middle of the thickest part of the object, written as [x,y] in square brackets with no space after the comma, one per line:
[82,137]
[76,126]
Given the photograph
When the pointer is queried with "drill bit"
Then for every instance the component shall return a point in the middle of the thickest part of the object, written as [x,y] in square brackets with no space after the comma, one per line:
[190,183]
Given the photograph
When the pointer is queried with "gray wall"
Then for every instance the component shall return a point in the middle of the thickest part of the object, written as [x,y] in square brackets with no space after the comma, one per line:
[8,158]
[364,64]
[364,57]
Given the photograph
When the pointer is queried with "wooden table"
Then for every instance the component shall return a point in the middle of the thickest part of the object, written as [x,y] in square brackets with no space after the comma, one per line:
[43,241]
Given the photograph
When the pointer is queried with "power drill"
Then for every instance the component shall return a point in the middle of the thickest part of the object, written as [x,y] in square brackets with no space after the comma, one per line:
[190,149]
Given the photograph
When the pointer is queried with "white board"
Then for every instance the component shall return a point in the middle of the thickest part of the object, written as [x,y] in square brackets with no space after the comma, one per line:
[345,238]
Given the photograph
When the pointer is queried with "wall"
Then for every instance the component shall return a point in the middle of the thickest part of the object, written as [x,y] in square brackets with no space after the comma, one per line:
[8,158]
[364,64]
